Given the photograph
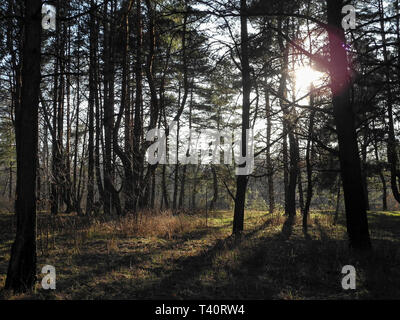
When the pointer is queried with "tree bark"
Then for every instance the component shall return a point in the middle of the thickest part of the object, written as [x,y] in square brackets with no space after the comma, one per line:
[392,154]
[354,197]
[92,93]
[138,125]
[309,153]
[21,274]
[215,188]
[270,169]
[290,161]
[241,180]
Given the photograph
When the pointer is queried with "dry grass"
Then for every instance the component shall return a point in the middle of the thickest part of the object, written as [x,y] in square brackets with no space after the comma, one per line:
[162,224]
[162,255]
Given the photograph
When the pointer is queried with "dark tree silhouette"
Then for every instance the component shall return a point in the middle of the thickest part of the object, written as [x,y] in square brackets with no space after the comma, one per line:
[356,215]
[21,275]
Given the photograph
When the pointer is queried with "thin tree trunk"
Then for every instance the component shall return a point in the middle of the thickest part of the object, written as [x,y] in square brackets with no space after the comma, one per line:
[215,188]
[291,159]
[242,179]
[92,92]
[138,128]
[391,141]
[111,197]
[364,172]
[336,218]
[126,108]
[270,170]
[309,153]
[380,173]
[54,199]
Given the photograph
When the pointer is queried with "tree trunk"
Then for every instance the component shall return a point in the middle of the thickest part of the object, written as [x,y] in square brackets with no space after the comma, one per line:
[92,93]
[309,153]
[336,218]
[21,274]
[270,169]
[354,197]
[364,172]
[290,161]
[137,128]
[55,167]
[126,108]
[176,172]
[310,145]
[391,141]
[215,188]
[241,180]
[111,197]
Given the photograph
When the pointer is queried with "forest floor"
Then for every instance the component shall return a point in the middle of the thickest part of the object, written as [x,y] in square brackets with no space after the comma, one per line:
[191,257]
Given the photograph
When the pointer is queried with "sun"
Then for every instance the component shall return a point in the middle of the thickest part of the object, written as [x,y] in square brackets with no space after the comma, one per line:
[307,76]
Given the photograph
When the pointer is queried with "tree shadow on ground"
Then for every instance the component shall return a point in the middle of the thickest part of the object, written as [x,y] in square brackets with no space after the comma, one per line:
[97,265]
[287,227]
[261,266]
[384,225]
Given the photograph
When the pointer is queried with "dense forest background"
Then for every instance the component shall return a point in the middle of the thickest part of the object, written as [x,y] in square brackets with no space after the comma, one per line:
[77,102]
